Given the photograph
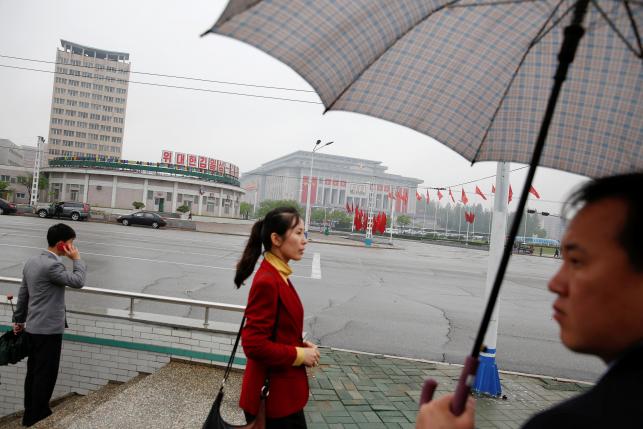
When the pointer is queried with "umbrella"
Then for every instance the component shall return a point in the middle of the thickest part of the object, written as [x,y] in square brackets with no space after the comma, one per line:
[474,75]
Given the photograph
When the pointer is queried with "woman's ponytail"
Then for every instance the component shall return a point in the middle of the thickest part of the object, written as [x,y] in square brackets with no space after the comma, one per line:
[251,253]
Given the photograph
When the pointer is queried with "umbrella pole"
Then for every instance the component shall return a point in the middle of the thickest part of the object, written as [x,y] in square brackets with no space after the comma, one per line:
[573,33]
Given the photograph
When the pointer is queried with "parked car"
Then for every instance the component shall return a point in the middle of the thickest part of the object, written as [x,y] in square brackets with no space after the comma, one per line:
[142,218]
[70,209]
[6,207]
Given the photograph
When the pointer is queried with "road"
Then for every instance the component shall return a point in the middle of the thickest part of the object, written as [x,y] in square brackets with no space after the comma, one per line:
[421,301]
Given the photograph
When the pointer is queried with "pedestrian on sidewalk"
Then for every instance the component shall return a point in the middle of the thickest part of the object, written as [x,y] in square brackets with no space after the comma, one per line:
[41,313]
[599,308]
[274,307]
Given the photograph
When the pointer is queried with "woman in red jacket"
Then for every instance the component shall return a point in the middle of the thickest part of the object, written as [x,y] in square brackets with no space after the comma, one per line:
[281,234]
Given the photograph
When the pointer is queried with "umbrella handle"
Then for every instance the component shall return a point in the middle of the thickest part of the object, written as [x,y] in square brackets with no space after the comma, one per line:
[467,378]
[427,391]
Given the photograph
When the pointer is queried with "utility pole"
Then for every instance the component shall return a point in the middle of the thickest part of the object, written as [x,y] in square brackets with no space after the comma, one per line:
[36,173]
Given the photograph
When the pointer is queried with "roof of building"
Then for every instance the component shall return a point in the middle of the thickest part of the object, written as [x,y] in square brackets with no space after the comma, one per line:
[368,167]
[98,53]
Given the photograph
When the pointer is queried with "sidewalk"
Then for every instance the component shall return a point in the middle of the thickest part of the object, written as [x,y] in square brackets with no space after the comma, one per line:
[353,390]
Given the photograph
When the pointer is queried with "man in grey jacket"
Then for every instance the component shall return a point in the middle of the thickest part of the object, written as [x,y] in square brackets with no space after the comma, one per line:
[41,313]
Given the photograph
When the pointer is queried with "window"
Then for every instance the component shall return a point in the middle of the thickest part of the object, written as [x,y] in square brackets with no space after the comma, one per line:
[74,82]
[81,134]
[61,80]
[58,111]
[116,140]
[109,88]
[68,133]
[121,90]
[56,121]
[85,85]
[72,102]
[104,138]
[80,145]
[83,114]
[119,110]
[73,92]
[98,87]
[83,104]
[60,90]
[56,131]
[70,112]
[107,128]
[117,130]
[108,109]
[93,126]
[68,143]
[97,97]
[5,178]
[59,100]
[106,118]
[54,141]
[81,124]
[94,116]
[118,120]
[92,146]
[21,195]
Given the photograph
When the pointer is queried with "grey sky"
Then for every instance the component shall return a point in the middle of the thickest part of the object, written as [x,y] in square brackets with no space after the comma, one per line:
[163,37]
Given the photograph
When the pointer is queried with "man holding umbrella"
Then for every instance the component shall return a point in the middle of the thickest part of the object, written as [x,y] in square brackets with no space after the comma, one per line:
[599,307]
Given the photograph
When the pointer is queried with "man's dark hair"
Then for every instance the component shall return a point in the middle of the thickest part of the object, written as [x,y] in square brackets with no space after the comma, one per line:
[629,189]
[59,232]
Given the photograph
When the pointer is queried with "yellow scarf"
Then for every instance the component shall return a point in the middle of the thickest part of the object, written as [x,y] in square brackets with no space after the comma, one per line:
[281,266]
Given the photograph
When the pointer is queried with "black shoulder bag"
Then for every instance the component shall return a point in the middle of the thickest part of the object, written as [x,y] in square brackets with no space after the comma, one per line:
[215,419]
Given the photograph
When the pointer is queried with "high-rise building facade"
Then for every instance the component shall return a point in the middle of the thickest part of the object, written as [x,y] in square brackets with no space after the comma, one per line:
[88,103]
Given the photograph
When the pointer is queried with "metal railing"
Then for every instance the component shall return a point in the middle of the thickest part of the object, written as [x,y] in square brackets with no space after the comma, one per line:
[207,305]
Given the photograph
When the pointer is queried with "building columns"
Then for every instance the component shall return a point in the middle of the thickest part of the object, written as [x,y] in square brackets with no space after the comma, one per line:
[220,201]
[86,190]
[144,200]
[114,186]
[175,196]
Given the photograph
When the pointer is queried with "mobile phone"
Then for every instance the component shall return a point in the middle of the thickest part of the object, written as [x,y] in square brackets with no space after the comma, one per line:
[62,247]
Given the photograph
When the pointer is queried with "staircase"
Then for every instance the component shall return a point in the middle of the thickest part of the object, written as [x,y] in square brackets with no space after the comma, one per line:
[179,395]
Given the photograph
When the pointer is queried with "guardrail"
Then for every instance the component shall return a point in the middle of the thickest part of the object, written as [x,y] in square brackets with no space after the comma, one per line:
[207,305]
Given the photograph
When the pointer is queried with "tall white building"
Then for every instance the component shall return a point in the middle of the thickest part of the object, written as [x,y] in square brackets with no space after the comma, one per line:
[336,181]
[89,101]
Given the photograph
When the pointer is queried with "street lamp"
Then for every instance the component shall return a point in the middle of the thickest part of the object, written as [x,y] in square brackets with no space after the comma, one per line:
[310,181]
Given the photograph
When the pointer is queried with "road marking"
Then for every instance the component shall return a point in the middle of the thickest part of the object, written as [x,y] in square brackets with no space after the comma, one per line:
[156,261]
[315,272]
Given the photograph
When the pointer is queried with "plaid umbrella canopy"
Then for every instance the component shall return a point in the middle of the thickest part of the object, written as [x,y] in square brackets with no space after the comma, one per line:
[474,75]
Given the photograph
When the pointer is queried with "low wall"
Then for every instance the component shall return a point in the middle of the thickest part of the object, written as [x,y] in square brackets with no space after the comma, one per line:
[98,348]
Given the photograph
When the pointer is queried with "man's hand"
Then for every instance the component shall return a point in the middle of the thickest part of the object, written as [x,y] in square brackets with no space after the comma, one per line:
[18,327]
[437,415]
[72,252]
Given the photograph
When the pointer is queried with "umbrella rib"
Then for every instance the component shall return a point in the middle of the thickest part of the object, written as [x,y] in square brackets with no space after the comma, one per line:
[541,32]
[616,30]
[634,27]
[411,27]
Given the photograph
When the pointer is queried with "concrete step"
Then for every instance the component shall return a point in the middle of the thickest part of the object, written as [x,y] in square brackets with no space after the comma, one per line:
[179,395]
[65,407]
[68,411]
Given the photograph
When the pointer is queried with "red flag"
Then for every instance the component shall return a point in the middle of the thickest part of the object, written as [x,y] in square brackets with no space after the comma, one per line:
[439,195]
[418,196]
[358,220]
[493,189]
[464,198]
[427,196]
[451,195]
[479,192]
[533,191]
[383,224]
[364,220]
[511,193]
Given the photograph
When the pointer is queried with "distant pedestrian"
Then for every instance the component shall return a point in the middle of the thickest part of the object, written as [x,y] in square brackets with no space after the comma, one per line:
[58,209]
[41,313]
[190,216]
[556,253]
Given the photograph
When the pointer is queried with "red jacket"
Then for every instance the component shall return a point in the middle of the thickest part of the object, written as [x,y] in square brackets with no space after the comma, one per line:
[288,384]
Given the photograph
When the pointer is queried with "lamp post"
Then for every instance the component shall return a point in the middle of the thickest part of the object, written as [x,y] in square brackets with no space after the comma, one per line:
[310,181]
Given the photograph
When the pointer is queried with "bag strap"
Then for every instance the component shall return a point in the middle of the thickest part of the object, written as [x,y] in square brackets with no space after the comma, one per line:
[273,337]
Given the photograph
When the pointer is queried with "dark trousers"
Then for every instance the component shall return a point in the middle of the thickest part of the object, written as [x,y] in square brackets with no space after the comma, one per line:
[294,421]
[42,370]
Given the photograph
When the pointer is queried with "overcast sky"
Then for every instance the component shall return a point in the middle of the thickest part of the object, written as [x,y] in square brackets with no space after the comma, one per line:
[163,37]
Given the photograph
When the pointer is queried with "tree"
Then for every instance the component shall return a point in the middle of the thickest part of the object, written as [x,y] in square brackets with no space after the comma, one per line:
[27,181]
[403,220]
[317,215]
[183,209]
[268,205]
[138,205]
[246,210]
[4,188]
[340,219]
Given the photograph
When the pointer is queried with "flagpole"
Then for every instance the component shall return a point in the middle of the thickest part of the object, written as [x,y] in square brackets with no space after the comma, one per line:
[459,221]
[435,219]
[446,228]
[467,241]
[424,217]
[390,240]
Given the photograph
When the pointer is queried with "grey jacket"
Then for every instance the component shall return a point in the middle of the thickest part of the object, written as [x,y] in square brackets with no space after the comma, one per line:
[41,300]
